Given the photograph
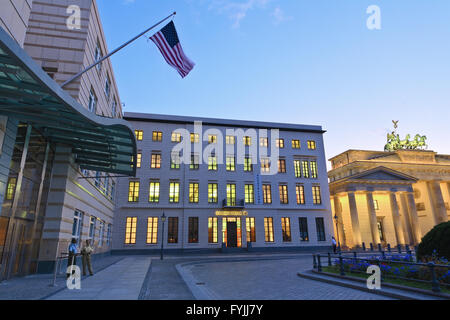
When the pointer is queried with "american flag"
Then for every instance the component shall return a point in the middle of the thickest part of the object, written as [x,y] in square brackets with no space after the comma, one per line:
[168,43]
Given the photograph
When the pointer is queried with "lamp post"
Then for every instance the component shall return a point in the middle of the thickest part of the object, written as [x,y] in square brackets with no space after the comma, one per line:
[163,219]
[337,231]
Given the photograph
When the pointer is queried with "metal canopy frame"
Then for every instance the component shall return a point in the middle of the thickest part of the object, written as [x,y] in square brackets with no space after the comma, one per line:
[28,94]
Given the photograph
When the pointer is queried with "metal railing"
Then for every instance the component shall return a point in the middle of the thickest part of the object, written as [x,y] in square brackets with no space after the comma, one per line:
[341,260]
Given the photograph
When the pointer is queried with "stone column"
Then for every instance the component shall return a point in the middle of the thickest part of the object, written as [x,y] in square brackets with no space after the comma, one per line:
[396,219]
[406,219]
[355,219]
[373,218]
[437,201]
[340,225]
[414,218]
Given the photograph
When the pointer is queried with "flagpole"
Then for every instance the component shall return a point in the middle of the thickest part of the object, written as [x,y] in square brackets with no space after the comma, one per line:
[115,51]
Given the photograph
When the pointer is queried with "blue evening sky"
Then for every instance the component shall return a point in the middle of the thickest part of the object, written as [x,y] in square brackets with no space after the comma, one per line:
[297,61]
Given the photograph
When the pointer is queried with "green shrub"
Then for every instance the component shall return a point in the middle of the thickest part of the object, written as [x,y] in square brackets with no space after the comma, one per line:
[436,243]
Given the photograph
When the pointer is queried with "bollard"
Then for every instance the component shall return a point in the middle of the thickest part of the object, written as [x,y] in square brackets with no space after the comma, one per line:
[380,248]
[389,247]
[341,265]
[399,248]
[329,259]
[314,262]
[364,246]
[55,272]
[319,263]
[371,246]
[435,283]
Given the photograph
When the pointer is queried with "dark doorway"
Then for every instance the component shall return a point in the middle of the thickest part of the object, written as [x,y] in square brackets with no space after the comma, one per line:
[232,235]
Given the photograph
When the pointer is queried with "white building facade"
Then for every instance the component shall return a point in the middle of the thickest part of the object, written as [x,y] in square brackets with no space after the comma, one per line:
[250,186]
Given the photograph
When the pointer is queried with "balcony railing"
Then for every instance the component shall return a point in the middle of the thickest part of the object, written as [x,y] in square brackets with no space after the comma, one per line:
[233,203]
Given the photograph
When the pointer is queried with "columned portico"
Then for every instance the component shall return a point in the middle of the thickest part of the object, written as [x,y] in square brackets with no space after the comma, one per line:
[373,218]
[414,217]
[357,241]
[438,204]
[399,235]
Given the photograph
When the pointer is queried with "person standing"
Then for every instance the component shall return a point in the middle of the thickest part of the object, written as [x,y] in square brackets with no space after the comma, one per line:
[86,256]
[72,259]
[333,241]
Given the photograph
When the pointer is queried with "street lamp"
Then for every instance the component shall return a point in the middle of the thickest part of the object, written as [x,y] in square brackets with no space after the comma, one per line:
[163,219]
[337,231]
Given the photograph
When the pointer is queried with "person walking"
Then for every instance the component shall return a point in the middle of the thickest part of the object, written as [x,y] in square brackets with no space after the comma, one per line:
[86,256]
[333,241]
[72,259]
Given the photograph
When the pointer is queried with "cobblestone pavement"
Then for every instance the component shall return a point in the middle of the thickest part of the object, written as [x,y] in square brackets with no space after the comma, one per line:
[269,280]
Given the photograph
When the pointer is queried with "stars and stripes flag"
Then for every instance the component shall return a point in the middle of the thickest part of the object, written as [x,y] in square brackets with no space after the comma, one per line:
[168,43]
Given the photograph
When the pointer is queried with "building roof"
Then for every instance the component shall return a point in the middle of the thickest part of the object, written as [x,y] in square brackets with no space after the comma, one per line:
[149,117]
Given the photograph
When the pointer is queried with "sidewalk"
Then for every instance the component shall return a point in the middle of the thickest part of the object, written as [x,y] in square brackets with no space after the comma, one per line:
[121,281]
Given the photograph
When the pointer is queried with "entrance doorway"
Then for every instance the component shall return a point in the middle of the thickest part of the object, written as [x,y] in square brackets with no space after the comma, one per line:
[232,232]
[232,235]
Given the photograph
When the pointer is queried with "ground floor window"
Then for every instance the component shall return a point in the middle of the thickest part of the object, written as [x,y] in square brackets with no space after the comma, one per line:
[268,229]
[286,228]
[173,230]
[102,231]
[152,230]
[130,230]
[92,226]
[212,230]
[320,229]
[303,225]
[77,225]
[193,229]
[251,234]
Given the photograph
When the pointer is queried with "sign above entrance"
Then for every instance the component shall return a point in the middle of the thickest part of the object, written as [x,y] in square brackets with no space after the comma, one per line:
[232,213]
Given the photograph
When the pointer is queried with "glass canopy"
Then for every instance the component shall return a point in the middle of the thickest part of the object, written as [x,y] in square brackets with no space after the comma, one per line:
[28,94]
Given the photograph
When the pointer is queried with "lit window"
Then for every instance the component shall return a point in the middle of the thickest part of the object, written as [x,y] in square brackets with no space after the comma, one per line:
[267,193]
[139,160]
[305,169]
[174,192]
[212,163]
[152,230]
[281,166]
[248,167]
[133,191]
[268,229]
[249,194]
[231,163]
[317,197]
[212,138]
[300,194]
[284,194]
[280,143]
[247,141]
[193,192]
[139,134]
[212,193]
[130,230]
[172,230]
[195,162]
[298,168]
[156,161]
[265,165]
[154,192]
[157,136]
[311,145]
[193,229]
[231,195]
[195,138]
[176,137]
[250,226]
[286,229]
[264,142]
[314,171]
[212,230]
[175,161]
[295,144]
[11,189]
[230,139]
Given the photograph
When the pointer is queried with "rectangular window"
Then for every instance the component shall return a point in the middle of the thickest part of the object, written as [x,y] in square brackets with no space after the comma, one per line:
[248,167]
[230,139]
[176,137]
[268,229]
[133,191]
[284,199]
[152,230]
[175,161]
[92,102]
[195,138]
[267,193]
[212,139]
[295,144]
[98,55]
[139,160]
[212,193]
[173,230]
[107,87]
[77,227]
[92,226]
[193,192]
[109,235]
[264,142]
[212,230]
[314,171]
[11,189]
[212,163]
[286,229]
[231,163]
[300,190]
[195,162]
[174,192]
[298,168]
[376,205]
[280,143]
[320,229]
[303,225]
[251,233]
[305,169]
[101,231]
[156,161]
[249,194]
[281,166]
[139,134]
[265,165]
[317,197]
[157,136]
[247,141]
[130,230]
[154,192]
[231,195]
[193,230]
[311,145]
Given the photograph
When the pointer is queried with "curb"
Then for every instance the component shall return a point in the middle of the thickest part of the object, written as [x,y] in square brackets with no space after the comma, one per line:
[146,284]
